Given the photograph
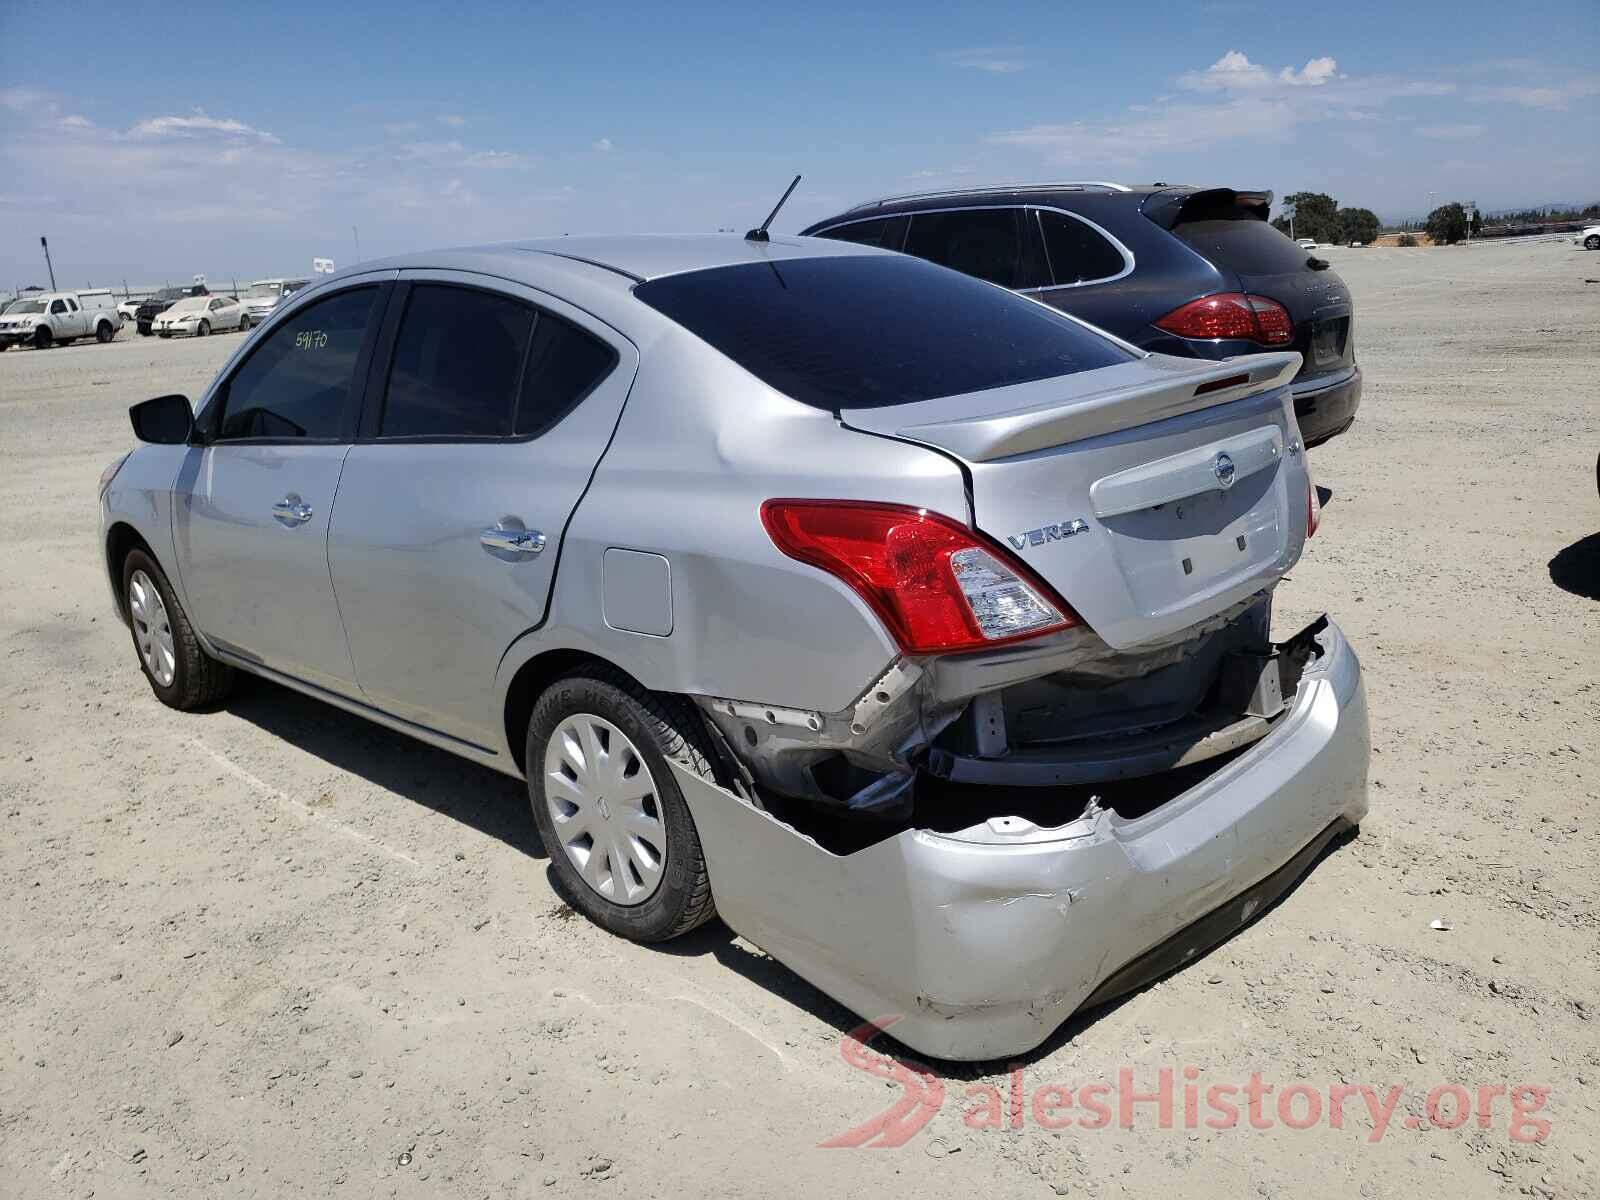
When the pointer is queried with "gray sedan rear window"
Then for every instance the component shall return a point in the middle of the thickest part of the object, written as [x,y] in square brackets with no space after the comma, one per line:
[874,331]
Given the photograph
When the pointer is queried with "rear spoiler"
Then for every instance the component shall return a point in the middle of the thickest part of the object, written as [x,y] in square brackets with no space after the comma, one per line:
[1097,402]
[1167,209]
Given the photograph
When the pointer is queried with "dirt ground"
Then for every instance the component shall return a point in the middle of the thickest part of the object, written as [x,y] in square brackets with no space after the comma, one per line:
[272,950]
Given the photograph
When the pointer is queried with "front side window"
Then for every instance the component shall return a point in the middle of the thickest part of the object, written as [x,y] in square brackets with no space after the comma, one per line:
[296,383]
[457,359]
[986,243]
[1077,252]
[58,306]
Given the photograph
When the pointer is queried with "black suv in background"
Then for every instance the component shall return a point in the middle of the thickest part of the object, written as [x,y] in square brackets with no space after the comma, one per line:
[152,308]
[1178,270]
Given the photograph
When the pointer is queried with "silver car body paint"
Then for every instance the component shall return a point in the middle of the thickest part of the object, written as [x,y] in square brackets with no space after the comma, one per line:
[648,496]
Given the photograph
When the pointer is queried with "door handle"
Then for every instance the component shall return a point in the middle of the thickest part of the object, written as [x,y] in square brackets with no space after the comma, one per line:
[291,510]
[522,542]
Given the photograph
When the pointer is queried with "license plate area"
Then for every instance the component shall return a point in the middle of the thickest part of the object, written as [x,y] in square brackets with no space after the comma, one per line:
[1328,339]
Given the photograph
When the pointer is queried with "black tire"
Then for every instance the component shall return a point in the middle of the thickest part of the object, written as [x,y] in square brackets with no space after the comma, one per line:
[103,332]
[145,331]
[244,322]
[198,680]
[42,338]
[662,727]
[202,329]
[1592,242]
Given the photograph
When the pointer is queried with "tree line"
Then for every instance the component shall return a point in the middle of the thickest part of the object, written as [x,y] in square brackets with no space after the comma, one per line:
[1319,217]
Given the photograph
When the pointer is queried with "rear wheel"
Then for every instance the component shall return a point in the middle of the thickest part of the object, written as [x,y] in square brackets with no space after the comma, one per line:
[42,338]
[103,332]
[622,843]
[181,674]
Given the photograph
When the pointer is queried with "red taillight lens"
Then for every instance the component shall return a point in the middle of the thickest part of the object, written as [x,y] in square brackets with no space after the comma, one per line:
[1313,508]
[1232,315]
[935,584]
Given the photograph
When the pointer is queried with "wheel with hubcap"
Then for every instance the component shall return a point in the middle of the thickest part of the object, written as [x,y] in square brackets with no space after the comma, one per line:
[622,844]
[180,672]
[202,329]
[1592,242]
[103,332]
[244,322]
[42,338]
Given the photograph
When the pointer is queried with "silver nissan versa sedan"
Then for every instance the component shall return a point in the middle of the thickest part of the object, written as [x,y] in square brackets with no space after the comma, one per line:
[917,629]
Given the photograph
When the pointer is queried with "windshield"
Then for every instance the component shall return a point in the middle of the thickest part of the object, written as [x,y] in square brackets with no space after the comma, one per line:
[194,304]
[258,290]
[873,331]
[26,306]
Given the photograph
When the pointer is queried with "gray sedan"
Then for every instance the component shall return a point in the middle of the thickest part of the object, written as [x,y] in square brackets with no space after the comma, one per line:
[916,629]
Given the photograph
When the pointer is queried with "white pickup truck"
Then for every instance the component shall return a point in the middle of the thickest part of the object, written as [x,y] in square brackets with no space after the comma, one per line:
[56,318]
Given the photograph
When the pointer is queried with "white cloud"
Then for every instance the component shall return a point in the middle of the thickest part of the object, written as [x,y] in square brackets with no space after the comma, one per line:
[1452,133]
[1234,72]
[604,145]
[199,123]
[1554,97]
[74,121]
[999,60]
[453,154]
[454,120]
[1314,74]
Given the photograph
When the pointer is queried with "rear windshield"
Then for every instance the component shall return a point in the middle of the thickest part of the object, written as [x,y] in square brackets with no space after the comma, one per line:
[874,331]
[1245,244]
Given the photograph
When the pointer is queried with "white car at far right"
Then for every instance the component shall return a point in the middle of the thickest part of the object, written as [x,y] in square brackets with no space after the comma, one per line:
[1588,237]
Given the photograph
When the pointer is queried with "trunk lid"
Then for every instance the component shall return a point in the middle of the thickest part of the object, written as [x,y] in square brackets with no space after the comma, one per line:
[1150,495]
[1229,229]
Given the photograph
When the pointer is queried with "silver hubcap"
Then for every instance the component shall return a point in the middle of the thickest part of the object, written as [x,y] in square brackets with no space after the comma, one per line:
[152,631]
[604,804]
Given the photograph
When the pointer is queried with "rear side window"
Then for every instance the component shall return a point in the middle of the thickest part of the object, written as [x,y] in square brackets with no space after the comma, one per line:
[296,383]
[457,362]
[1078,253]
[871,331]
[564,365]
[986,243]
[1245,244]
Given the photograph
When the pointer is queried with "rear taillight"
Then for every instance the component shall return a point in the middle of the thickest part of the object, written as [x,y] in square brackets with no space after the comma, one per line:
[1232,315]
[935,584]
[1313,506]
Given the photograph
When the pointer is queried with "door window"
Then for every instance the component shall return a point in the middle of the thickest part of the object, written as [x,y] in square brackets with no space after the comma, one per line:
[457,360]
[297,382]
[887,232]
[1078,253]
[988,243]
[58,307]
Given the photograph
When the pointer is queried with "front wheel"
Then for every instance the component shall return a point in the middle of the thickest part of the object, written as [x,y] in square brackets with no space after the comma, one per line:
[42,338]
[622,844]
[181,674]
[202,329]
[1592,242]
[244,323]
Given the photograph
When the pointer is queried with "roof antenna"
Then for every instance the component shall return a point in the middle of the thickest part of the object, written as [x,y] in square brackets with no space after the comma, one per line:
[760,235]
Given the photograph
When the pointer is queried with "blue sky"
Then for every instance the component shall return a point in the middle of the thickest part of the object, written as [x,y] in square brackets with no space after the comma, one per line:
[153,142]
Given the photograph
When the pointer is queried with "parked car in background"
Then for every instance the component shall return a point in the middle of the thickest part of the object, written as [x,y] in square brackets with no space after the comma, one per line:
[57,319]
[197,316]
[147,312]
[262,296]
[1186,271]
[1588,237]
[128,310]
[881,611]
[1306,243]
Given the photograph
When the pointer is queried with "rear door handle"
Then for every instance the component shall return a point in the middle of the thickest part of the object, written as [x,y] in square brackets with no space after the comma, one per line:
[522,542]
[291,511]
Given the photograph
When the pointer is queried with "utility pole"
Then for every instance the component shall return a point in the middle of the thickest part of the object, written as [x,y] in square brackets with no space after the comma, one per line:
[357,234]
[45,242]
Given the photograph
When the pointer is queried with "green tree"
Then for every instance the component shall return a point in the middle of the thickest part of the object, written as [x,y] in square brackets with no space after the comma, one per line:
[1359,225]
[1316,216]
[1447,224]
[1477,223]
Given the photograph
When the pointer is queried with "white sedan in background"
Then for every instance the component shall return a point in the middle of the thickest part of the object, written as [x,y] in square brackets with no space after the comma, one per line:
[196,316]
[1588,237]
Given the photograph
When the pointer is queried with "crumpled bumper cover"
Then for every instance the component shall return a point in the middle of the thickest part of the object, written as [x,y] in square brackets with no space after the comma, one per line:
[983,947]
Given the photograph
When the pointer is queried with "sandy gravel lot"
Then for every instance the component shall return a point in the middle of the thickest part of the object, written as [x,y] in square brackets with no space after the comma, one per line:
[272,950]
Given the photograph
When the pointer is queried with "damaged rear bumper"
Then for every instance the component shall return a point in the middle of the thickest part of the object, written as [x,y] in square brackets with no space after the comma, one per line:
[984,940]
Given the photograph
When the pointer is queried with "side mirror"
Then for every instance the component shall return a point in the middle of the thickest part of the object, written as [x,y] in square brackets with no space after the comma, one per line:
[165,421]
